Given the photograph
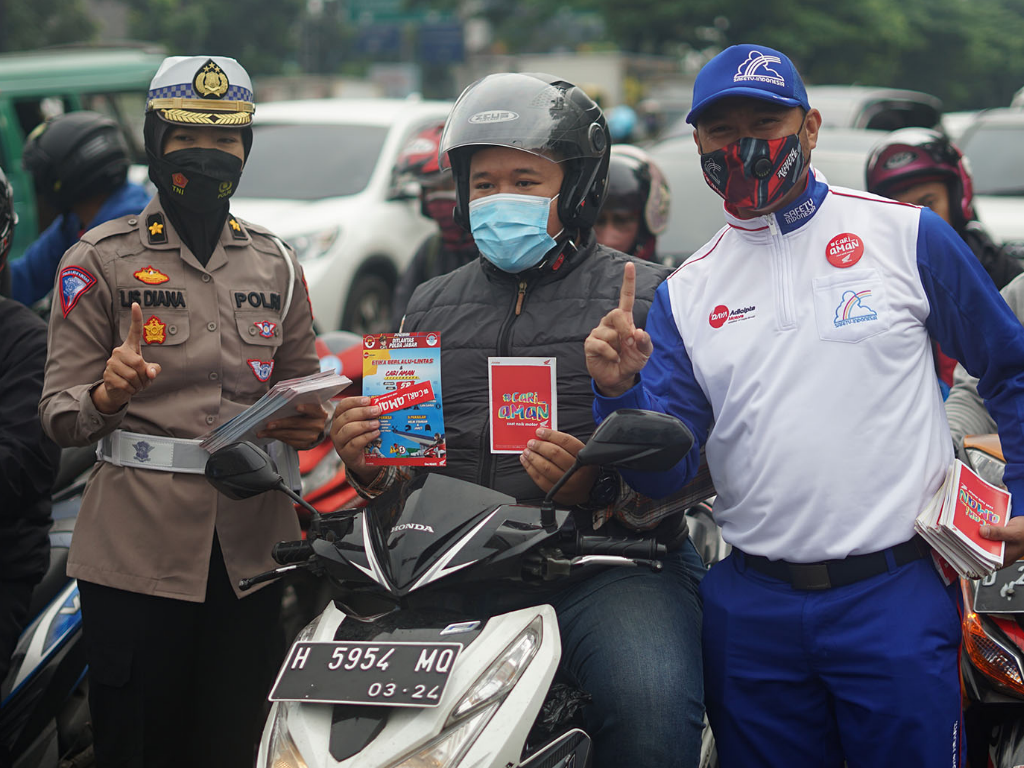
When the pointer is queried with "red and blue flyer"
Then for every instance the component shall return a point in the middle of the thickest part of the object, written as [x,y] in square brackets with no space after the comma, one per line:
[402,375]
[523,397]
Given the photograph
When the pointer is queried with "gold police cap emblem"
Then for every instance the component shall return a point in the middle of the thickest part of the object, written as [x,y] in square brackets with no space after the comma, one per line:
[210,81]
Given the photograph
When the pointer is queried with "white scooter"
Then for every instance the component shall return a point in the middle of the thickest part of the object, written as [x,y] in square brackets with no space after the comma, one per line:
[385,677]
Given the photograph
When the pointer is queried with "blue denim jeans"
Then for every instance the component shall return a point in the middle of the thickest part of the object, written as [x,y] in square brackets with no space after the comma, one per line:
[631,638]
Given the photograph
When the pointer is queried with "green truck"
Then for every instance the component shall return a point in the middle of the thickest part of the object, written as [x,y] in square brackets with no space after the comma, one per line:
[36,85]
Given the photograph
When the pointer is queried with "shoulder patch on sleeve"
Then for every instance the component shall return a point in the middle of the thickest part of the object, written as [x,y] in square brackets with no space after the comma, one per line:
[74,281]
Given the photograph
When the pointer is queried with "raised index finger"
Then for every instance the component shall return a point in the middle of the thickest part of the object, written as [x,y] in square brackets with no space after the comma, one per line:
[134,338]
[628,292]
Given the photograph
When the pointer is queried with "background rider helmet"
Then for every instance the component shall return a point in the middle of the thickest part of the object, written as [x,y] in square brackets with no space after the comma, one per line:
[546,117]
[636,207]
[921,166]
[74,157]
[8,218]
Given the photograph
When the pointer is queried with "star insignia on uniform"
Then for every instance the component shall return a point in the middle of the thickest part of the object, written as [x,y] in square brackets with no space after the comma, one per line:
[156,228]
[236,226]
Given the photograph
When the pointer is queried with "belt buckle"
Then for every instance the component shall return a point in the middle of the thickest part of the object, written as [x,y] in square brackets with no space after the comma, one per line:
[810,576]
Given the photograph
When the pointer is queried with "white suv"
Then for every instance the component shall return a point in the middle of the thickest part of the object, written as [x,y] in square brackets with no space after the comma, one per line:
[319,175]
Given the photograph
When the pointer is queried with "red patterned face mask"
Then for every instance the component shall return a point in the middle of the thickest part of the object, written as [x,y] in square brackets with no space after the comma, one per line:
[440,206]
[754,173]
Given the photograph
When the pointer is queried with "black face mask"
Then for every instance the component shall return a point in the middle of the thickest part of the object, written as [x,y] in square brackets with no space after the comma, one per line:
[199,180]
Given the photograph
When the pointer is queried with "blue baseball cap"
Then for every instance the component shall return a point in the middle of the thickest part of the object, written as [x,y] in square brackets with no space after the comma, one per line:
[755,71]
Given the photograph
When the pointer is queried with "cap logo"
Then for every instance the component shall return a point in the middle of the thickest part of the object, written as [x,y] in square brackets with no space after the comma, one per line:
[899,160]
[210,81]
[756,68]
[494,116]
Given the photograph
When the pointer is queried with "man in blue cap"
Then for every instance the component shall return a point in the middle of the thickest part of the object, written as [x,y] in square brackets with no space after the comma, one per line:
[796,346]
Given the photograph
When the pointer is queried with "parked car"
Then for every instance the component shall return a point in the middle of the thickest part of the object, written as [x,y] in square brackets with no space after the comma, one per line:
[696,212]
[319,175]
[994,146]
[36,85]
[874,109]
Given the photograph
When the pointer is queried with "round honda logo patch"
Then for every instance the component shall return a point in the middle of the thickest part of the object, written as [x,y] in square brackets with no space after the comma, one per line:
[844,250]
[718,316]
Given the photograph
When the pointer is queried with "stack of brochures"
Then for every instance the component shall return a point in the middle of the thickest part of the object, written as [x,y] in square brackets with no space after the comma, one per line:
[280,402]
[951,522]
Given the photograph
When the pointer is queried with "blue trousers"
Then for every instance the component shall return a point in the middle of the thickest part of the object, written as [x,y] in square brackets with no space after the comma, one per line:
[631,639]
[868,672]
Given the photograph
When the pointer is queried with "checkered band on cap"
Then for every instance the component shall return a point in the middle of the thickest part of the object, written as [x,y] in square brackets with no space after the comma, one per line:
[186,91]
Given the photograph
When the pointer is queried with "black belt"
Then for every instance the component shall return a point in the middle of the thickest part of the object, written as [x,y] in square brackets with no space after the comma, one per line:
[836,573]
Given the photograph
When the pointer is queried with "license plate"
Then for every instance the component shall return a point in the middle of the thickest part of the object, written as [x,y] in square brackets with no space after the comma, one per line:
[1002,591]
[385,674]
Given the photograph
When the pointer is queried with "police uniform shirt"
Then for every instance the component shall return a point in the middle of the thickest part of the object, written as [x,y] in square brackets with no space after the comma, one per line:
[221,340]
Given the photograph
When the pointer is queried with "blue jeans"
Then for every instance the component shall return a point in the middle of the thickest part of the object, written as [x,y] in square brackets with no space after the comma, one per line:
[631,638]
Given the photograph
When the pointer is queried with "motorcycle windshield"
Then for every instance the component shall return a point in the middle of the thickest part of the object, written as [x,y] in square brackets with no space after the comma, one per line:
[422,524]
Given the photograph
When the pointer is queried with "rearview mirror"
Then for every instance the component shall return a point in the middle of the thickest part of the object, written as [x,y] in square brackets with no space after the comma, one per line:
[241,471]
[641,440]
[409,190]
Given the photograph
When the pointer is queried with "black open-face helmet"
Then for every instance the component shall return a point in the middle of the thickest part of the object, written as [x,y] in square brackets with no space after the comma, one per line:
[8,218]
[74,157]
[535,113]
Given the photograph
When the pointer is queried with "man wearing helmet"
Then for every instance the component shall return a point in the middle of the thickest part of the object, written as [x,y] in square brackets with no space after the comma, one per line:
[28,458]
[923,167]
[204,313]
[636,207]
[529,156]
[451,246]
[796,345]
[79,163]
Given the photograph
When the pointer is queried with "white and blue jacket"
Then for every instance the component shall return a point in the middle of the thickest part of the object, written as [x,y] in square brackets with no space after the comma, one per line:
[804,338]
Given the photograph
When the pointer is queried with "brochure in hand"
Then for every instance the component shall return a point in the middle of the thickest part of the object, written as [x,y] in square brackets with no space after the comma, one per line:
[402,375]
[280,402]
[951,522]
[523,395]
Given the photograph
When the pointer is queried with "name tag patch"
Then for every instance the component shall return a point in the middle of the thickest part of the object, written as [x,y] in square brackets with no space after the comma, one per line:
[153,298]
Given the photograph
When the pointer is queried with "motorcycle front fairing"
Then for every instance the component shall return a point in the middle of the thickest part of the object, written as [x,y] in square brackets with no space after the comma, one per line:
[432,526]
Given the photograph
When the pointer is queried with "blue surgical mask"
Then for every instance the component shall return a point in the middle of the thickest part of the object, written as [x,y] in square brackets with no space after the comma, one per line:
[511,231]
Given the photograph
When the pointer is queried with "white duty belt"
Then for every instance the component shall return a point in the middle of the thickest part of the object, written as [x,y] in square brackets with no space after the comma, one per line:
[177,454]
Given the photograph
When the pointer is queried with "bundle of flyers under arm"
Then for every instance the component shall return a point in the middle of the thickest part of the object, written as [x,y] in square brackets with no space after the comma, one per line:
[951,522]
[280,402]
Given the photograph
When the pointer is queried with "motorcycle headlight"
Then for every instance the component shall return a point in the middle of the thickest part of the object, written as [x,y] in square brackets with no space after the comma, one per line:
[282,752]
[988,654]
[447,749]
[504,672]
[313,245]
[990,468]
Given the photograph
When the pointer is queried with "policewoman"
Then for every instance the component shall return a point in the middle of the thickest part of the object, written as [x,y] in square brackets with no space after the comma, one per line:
[167,324]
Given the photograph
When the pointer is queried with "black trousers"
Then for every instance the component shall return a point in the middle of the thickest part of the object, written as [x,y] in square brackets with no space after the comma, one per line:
[175,683]
[14,601]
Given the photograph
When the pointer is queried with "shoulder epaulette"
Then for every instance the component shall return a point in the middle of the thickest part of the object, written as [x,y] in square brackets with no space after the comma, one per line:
[121,226]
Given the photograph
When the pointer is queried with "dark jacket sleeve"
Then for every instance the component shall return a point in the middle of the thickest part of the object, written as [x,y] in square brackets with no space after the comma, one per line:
[28,459]
[1001,266]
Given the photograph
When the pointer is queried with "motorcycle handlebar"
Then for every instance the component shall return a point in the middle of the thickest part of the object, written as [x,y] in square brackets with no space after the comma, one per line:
[288,552]
[645,549]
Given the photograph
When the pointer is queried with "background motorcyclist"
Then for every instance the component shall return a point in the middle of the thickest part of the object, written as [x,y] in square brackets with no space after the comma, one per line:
[923,167]
[28,459]
[530,189]
[636,207]
[79,163]
[451,246]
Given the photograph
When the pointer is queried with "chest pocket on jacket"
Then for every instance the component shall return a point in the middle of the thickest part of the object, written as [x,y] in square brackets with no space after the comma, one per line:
[261,335]
[164,333]
[851,306]
[260,328]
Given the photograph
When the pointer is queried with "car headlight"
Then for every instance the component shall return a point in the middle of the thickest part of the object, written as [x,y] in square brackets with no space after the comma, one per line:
[447,749]
[504,672]
[282,752]
[313,245]
[990,468]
